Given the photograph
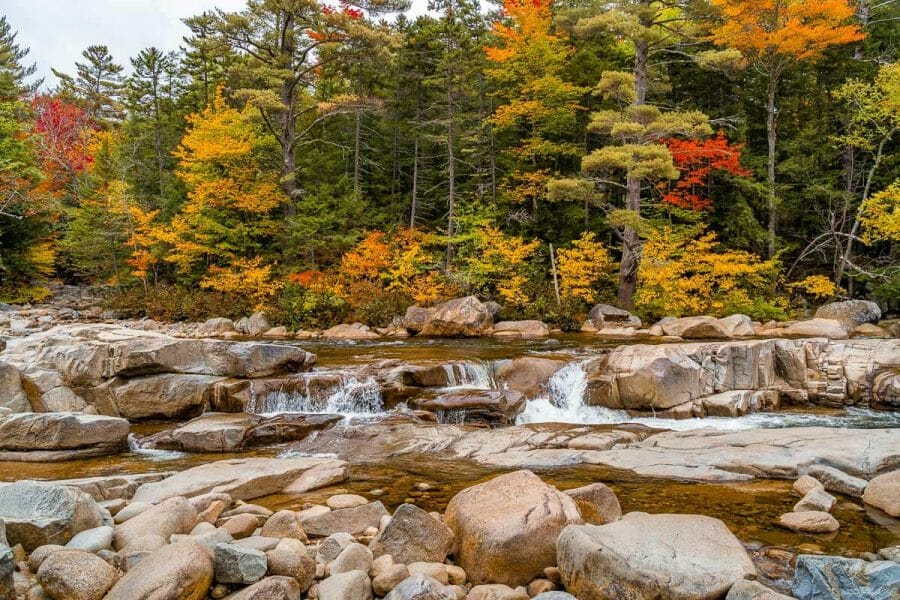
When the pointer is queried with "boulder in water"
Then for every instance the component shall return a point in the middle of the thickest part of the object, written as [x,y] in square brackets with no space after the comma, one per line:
[355,331]
[521,329]
[491,407]
[883,492]
[838,577]
[528,374]
[461,317]
[605,316]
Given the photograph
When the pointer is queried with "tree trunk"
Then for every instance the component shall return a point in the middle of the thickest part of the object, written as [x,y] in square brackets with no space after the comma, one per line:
[771,134]
[415,185]
[287,122]
[631,243]
[356,151]
[862,14]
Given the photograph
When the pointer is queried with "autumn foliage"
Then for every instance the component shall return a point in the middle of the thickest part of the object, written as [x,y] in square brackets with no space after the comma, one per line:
[697,160]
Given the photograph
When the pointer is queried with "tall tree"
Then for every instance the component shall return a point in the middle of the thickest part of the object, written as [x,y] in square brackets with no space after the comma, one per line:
[13,72]
[97,85]
[774,34]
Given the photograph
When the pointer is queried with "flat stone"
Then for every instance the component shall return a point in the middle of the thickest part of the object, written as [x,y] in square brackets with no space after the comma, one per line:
[835,480]
[92,540]
[660,556]
[175,515]
[60,431]
[242,479]
[339,501]
[815,500]
[809,521]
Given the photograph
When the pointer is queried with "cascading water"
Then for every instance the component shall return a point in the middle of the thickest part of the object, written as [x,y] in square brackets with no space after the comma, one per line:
[470,375]
[350,396]
[564,402]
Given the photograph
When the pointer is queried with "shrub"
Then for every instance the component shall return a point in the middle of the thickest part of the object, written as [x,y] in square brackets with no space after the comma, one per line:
[175,303]
[298,307]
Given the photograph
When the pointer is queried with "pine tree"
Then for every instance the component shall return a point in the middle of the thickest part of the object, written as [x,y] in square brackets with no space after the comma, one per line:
[97,85]
[13,72]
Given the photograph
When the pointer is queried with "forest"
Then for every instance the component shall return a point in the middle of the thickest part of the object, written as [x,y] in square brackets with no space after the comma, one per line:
[341,162]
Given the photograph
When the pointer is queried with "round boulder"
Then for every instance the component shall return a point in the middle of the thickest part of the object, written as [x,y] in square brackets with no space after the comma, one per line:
[75,575]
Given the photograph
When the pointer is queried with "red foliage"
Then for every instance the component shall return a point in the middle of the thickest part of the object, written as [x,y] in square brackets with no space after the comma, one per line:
[697,160]
[63,129]
[307,279]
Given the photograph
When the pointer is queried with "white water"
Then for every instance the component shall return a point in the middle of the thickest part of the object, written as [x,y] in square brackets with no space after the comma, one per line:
[469,375]
[351,397]
[152,453]
[564,403]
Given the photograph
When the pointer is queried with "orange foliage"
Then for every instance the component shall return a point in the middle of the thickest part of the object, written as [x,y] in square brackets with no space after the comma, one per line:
[778,30]
[697,159]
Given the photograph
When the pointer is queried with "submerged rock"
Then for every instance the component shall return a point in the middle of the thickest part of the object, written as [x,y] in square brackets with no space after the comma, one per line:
[659,556]
[837,577]
[597,503]
[506,528]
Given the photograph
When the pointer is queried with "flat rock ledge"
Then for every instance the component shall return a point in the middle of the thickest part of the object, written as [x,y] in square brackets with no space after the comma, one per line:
[51,437]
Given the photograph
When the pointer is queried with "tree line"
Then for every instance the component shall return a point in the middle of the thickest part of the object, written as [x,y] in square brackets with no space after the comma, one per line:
[344,161]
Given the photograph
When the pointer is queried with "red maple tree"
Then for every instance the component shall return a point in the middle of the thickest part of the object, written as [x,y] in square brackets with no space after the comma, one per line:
[697,160]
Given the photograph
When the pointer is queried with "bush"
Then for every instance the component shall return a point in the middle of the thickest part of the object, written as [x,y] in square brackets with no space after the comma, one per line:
[174,303]
[568,315]
[382,308]
[298,307]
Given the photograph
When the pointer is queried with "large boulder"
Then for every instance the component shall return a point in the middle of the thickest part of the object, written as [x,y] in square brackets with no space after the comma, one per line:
[491,407]
[698,328]
[241,478]
[76,575]
[528,374]
[506,528]
[604,316]
[345,520]
[460,317]
[667,557]
[413,535]
[837,577]
[182,571]
[271,588]
[354,331]
[852,312]
[37,514]
[58,431]
[884,492]
[818,327]
[416,317]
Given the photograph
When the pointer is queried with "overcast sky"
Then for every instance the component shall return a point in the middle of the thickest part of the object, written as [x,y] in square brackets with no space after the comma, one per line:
[58,30]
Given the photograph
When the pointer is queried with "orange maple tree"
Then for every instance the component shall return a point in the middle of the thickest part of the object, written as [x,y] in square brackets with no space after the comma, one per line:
[698,159]
[773,34]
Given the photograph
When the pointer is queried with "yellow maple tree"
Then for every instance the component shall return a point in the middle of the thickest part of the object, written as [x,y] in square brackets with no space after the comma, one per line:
[582,266]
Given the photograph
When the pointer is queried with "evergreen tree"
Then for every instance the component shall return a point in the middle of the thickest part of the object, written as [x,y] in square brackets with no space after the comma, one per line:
[97,85]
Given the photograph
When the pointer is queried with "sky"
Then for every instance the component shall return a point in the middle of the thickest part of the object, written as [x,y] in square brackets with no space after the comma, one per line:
[58,30]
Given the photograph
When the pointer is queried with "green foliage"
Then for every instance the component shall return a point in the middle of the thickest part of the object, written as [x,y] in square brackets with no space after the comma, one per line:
[302,308]
[174,303]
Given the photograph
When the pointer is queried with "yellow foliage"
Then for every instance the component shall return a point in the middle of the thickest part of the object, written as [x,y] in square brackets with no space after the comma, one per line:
[880,215]
[687,275]
[248,277]
[500,261]
[817,286]
[42,258]
[581,267]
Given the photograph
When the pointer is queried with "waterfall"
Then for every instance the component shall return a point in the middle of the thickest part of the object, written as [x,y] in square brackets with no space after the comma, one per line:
[564,401]
[474,375]
[350,396]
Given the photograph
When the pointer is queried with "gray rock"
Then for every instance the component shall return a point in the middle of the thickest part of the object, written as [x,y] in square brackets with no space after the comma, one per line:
[890,553]
[835,480]
[662,556]
[38,514]
[413,535]
[353,585]
[237,564]
[826,577]
[92,540]
[3,540]
[258,324]
[76,575]
[331,547]
[420,587]
[7,568]
[554,596]
[815,499]
[854,312]
[61,431]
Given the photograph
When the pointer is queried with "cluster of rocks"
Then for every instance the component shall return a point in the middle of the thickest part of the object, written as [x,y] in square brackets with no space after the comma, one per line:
[513,537]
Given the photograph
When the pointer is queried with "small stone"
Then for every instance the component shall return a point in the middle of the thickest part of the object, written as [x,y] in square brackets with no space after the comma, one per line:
[753,590]
[241,525]
[554,596]
[437,571]
[389,578]
[837,481]
[539,586]
[284,524]
[331,547]
[92,540]
[345,501]
[597,503]
[807,483]
[496,591]
[552,573]
[236,564]
[353,585]
[258,542]
[810,521]
[132,510]
[456,575]
[212,512]
[412,535]
[355,557]
[381,564]
[815,499]
[290,558]
[76,575]
[270,588]
[220,590]
[421,587]
[890,553]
